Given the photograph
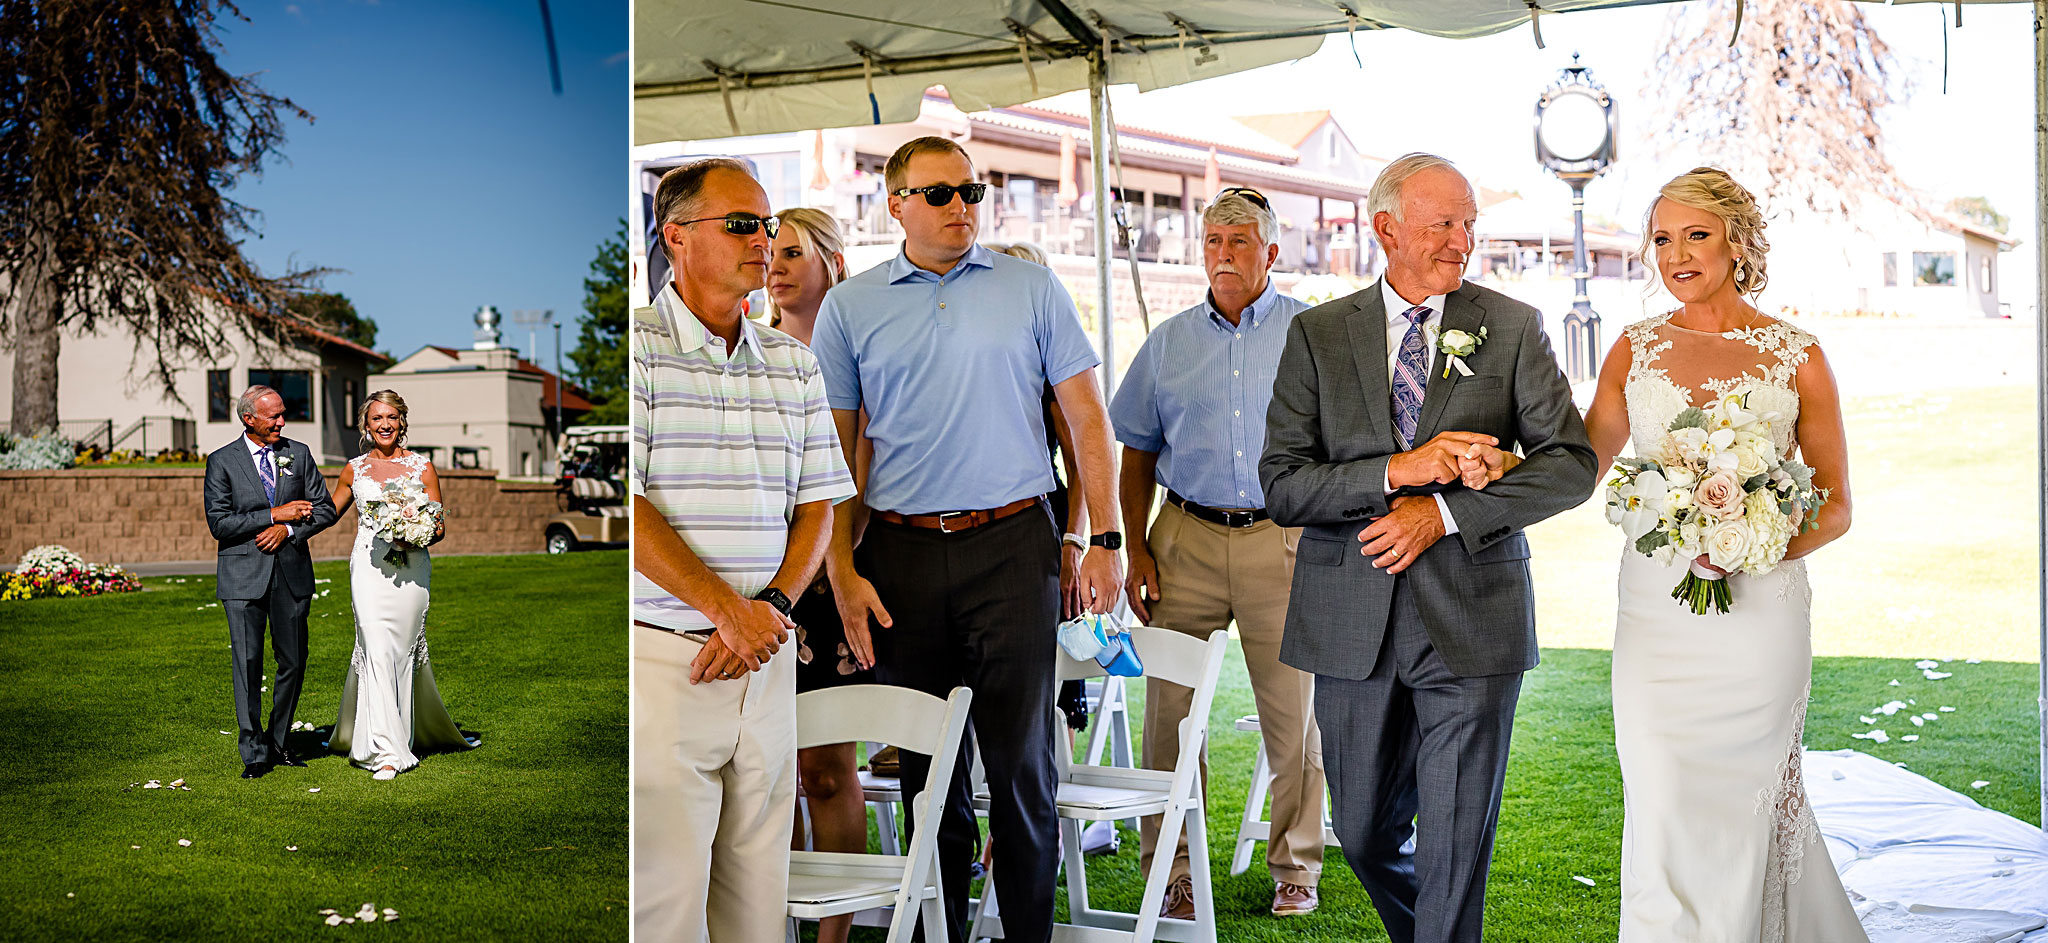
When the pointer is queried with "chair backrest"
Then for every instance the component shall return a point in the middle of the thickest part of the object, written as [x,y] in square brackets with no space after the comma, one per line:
[903,718]
[1168,655]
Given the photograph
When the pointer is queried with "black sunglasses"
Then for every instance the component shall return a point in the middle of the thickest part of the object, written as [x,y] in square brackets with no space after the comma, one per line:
[1249,194]
[942,194]
[740,224]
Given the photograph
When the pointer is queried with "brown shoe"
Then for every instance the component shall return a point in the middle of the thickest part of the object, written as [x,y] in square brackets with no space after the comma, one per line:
[1179,903]
[1293,900]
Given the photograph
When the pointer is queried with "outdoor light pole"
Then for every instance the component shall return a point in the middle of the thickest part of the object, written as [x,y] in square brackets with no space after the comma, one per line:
[1575,139]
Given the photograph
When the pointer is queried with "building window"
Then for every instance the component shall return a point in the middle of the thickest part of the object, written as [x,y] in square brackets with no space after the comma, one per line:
[294,386]
[465,457]
[1891,270]
[1984,282]
[1934,268]
[220,397]
[430,451]
[351,400]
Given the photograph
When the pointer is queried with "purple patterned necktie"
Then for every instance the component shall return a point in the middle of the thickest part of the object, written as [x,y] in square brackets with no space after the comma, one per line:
[267,473]
[1411,376]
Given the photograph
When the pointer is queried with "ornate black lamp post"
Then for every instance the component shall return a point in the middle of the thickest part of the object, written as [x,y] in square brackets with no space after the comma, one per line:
[1575,139]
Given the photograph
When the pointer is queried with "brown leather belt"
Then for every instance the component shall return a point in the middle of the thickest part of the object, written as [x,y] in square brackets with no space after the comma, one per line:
[953,522]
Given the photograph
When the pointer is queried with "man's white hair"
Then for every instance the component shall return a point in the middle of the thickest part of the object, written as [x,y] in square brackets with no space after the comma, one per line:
[245,405]
[1385,196]
[1235,209]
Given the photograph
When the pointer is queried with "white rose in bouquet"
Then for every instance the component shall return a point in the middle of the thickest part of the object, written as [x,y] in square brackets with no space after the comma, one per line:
[1749,461]
[1680,476]
[1677,499]
[1728,544]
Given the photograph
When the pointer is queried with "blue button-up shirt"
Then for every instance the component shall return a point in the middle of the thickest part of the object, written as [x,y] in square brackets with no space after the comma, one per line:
[1197,395]
[952,370]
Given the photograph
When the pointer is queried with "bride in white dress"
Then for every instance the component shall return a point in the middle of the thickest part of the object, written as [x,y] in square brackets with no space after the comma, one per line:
[1718,844]
[391,712]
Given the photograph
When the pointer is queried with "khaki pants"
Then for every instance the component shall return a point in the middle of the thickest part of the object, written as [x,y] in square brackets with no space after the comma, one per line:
[1209,575]
[714,789]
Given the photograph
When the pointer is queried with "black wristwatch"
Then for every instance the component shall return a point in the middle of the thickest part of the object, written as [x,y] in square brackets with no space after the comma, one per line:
[776,598]
[1107,540]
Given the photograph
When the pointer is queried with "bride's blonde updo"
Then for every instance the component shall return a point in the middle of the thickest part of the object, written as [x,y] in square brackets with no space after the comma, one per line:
[388,398]
[1712,190]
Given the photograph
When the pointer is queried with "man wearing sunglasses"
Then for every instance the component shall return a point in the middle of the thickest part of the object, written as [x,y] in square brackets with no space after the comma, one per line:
[948,348]
[735,470]
[1191,414]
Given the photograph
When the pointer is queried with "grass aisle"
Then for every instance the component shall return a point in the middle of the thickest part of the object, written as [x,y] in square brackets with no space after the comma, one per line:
[1561,817]
[522,838]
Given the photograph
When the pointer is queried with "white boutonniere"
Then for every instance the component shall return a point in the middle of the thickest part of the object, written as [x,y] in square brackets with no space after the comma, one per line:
[284,464]
[1456,346]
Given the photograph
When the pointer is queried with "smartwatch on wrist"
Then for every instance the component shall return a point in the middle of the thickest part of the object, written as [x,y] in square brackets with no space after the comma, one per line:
[776,598]
[1107,540]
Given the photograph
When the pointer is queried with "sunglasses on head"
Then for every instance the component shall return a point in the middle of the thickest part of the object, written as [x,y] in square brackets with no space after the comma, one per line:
[740,224]
[942,194]
[1248,193]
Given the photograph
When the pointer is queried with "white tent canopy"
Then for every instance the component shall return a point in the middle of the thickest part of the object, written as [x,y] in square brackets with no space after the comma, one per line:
[710,68]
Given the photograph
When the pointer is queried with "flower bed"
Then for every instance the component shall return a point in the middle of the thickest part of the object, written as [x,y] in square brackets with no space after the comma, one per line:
[51,570]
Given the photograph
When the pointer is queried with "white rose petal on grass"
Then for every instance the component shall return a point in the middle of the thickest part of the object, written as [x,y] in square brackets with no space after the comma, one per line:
[1918,721]
[184,843]
[1933,675]
[1877,736]
[333,920]
[314,789]
[1979,784]
[1895,682]
[1867,720]
[291,847]
[226,734]
[1930,715]
[70,894]
[1582,879]
[175,783]
[1909,738]
[1926,663]
[136,847]
[1973,661]
[391,912]
[1948,710]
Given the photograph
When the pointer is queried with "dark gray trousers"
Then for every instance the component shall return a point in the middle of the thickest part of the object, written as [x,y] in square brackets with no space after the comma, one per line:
[1413,737]
[286,618]
[979,608]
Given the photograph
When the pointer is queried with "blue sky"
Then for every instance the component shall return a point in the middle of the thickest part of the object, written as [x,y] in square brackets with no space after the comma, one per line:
[441,172]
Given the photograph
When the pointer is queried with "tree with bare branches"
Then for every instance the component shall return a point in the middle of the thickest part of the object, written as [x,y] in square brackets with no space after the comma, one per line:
[1791,107]
[120,135]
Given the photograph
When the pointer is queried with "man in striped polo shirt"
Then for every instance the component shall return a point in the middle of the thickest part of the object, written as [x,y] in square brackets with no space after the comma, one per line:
[736,466]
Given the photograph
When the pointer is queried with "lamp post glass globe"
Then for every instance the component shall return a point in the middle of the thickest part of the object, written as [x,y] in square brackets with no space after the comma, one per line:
[1573,126]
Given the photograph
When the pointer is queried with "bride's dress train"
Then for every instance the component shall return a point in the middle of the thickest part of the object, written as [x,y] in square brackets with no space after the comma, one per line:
[391,712]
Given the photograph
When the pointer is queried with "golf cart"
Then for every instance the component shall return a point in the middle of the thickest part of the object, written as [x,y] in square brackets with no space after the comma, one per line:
[590,495]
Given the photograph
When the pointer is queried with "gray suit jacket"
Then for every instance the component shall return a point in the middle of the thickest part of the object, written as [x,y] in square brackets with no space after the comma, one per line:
[236,511]
[1329,435]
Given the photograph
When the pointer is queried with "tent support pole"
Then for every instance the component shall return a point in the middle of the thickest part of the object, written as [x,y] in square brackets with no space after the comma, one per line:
[1098,170]
[2041,355]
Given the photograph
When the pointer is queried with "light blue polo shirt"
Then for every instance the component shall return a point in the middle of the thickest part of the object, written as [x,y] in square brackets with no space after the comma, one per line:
[1197,394]
[952,371]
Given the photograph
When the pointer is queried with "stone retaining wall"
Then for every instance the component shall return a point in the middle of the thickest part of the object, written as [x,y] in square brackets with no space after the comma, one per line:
[146,515]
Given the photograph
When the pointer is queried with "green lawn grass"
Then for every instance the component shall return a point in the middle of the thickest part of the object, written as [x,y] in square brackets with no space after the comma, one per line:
[521,838]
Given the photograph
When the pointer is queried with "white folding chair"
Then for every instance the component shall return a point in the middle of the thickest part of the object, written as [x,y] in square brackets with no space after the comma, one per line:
[1091,793]
[826,884]
[1254,827]
[1109,730]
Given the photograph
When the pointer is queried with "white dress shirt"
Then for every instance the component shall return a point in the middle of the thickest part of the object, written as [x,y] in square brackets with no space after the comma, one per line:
[1397,331]
[255,447]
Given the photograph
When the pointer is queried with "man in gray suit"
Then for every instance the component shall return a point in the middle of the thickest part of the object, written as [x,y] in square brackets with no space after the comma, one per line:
[264,499]
[1418,644]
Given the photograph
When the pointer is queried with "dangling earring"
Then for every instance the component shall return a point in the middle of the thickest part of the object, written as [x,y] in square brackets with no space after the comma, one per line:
[1741,273]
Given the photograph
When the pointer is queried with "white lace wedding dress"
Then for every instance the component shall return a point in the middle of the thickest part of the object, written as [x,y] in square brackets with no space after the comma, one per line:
[1718,844]
[391,712]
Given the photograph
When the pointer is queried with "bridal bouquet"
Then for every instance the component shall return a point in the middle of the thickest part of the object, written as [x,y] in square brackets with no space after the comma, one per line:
[400,512]
[1716,486]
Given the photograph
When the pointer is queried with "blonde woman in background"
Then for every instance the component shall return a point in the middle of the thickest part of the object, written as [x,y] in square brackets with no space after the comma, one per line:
[391,710]
[806,260]
[1718,843]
